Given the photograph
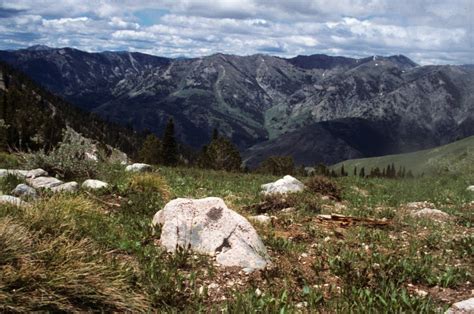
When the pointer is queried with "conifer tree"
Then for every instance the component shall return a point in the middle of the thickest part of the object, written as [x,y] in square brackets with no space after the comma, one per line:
[150,151]
[355,171]
[362,172]
[169,147]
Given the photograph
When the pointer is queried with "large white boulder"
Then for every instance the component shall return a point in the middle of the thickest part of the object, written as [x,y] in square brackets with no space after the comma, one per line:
[287,184]
[91,184]
[138,167]
[207,226]
[44,182]
[24,191]
[68,187]
[470,188]
[11,200]
[465,307]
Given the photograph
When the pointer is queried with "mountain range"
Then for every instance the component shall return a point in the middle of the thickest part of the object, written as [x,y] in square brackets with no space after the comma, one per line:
[315,108]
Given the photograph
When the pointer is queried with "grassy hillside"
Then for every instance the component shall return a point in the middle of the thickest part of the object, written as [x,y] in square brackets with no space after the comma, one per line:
[97,252]
[455,157]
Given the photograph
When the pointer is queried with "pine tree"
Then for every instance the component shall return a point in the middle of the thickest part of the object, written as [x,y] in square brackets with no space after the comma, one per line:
[355,171]
[215,134]
[343,172]
[150,151]
[169,147]
[362,172]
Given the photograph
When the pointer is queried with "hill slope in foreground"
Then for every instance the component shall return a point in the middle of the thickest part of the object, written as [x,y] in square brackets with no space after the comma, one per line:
[451,157]
[95,251]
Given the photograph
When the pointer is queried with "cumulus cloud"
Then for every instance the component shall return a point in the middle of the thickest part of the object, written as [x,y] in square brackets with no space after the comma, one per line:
[428,31]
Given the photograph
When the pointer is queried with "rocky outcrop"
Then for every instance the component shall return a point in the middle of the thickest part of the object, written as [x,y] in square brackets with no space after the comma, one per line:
[91,184]
[69,187]
[470,188]
[23,173]
[287,184]
[208,226]
[24,191]
[11,200]
[44,182]
[138,167]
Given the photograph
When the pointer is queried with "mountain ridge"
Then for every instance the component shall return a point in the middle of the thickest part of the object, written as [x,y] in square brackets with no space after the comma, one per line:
[258,100]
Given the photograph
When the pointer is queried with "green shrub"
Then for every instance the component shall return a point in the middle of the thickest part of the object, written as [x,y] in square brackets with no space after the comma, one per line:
[68,159]
[8,161]
[8,183]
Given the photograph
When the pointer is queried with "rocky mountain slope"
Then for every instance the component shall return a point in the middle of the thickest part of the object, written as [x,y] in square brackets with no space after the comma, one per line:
[317,108]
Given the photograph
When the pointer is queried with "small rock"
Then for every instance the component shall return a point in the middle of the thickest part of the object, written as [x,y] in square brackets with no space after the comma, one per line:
[430,213]
[287,184]
[258,292]
[325,198]
[24,191]
[212,286]
[11,200]
[68,187]
[470,188]
[44,182]
[288,210]
[301,305]
[94,184]
[466,306]
[138,168]
[421,293]
[263,219]
[304,255]
[248,270]
[201,290]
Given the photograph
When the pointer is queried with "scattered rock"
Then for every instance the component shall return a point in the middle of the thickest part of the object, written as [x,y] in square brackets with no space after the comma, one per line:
[44,182]
[68,187]
[360,191]
[419,205]
[288,210]
[138,168]
[430,213]
[12,200]
[36,173]
[18,173]
[263,219]
[466,306]
[207,226]
[470,188]
[287,184]
[94,184]
[24,191]
[23,173]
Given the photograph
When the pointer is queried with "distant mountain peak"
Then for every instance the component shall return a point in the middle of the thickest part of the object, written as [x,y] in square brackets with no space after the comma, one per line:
[38,48]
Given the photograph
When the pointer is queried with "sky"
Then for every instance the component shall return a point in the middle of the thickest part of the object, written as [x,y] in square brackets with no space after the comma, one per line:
[427,31]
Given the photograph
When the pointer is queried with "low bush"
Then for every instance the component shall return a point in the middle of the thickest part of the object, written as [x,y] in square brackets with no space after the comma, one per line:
[324,186]
[67,160]
[8,161]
